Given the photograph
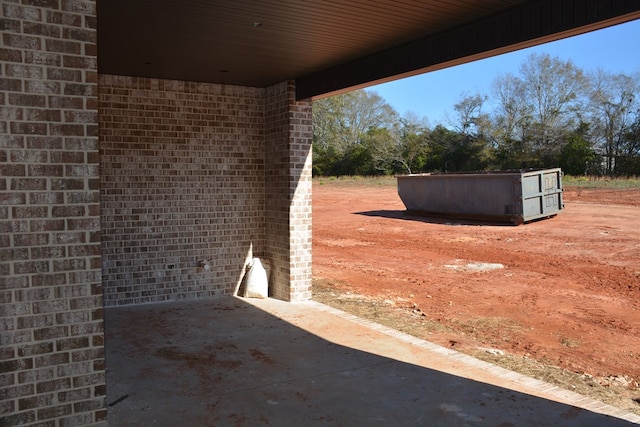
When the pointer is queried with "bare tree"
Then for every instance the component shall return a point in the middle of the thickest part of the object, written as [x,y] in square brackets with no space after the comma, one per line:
[468,114]
[554,90]
[346,129]
[342,120]
[613,102]
[512,112]
[326,121]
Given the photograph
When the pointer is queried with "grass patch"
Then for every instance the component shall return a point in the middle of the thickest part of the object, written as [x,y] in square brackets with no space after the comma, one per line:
[356,181]
[569,342]
[587,182]
[582,384]
[598,182]
[493,330]
[394,314]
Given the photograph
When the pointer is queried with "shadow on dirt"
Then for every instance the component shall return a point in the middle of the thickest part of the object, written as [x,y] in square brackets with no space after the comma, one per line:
[432,219]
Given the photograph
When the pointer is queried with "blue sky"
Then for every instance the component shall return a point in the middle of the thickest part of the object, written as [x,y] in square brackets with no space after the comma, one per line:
[432,95]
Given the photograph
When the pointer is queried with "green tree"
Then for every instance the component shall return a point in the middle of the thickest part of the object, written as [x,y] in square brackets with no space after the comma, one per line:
[324,159]
[386,150]
[468,148]
[629,162]
[415,147]
[403,148]
[578,156]
[452,151]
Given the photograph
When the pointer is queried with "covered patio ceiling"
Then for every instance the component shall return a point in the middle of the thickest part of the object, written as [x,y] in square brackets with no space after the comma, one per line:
[329,46]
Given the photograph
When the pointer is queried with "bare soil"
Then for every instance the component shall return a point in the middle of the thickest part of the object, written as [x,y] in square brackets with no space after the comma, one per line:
[558,299]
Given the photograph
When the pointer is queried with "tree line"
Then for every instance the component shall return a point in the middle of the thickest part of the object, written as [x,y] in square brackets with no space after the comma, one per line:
[551,114]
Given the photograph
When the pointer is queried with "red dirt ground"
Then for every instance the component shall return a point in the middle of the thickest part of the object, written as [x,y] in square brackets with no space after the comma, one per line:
[569,292]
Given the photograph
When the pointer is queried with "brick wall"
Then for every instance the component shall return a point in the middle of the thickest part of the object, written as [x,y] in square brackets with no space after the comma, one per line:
[51,327]
[288,134]
[300,213]
[182,180]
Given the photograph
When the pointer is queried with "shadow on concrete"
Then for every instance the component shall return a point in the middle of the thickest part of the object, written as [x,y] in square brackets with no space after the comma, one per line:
[432,219]
[227,362]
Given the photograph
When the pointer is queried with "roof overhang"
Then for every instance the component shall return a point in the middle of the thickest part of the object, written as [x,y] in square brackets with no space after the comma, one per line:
[329,47]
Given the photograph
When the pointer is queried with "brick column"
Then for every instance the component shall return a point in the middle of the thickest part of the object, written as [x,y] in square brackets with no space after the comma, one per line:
[51,321]
[288,137]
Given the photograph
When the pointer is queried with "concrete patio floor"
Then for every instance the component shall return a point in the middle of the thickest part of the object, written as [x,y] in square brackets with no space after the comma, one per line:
[252,362]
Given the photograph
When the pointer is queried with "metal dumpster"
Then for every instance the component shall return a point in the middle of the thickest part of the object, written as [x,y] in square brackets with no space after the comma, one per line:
[506,196]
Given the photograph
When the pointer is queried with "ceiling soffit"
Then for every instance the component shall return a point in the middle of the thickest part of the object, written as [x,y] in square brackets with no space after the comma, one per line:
[328,46]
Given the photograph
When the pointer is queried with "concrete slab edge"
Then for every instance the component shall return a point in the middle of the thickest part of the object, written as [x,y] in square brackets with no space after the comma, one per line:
[564,395]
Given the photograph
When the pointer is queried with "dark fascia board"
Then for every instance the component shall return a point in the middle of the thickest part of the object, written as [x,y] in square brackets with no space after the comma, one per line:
[528,25]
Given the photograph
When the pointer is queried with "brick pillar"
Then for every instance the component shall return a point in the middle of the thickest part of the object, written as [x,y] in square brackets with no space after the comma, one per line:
[288,134]
[51,321]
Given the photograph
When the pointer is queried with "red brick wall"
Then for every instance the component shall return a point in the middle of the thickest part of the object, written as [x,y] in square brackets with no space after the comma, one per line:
[51,321]
[182,180]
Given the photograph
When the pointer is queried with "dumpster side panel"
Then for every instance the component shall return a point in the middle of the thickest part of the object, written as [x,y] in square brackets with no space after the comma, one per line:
[504,196]
[464,195]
